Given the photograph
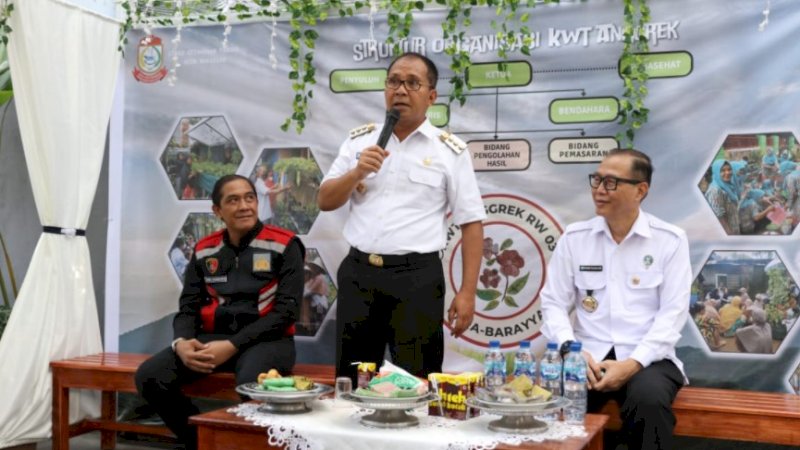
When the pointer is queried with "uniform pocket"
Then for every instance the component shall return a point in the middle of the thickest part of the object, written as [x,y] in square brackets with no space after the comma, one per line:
[644,280]
[428,177]
[642,290]
[590,281]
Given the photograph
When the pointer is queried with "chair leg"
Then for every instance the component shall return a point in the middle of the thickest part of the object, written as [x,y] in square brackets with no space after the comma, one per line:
[108,411]
[60,415]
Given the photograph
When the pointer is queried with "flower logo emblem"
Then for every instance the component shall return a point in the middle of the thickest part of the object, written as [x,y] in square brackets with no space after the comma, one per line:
[510,263]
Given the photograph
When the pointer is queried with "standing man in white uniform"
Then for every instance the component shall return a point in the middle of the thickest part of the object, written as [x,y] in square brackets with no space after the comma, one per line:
[627,276]
[391,284]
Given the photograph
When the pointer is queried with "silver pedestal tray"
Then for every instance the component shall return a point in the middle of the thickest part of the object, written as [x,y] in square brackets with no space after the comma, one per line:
[280,402]
[518,417]
[390,412]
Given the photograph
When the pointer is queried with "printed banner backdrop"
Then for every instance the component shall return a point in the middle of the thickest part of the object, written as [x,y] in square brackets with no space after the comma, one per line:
[721,89]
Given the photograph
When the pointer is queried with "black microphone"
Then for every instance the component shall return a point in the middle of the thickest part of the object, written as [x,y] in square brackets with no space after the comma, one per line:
[388,127]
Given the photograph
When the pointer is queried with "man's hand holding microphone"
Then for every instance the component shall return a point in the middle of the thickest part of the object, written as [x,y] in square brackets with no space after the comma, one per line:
[371,158]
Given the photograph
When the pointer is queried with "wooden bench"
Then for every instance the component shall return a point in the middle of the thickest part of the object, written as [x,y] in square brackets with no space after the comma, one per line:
[114,372]
[729,414]
[701,412]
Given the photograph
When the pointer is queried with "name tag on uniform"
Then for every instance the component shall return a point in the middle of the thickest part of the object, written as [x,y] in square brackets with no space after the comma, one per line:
[219,279]
[262,262]
[591,268]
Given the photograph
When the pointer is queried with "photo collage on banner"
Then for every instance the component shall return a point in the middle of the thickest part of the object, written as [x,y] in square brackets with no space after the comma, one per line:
[722,134]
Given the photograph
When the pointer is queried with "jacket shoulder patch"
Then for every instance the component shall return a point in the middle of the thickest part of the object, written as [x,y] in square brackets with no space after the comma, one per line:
[362,130]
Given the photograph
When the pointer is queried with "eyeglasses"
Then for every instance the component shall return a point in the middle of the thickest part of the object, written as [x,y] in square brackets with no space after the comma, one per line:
[411,84]
[609,182]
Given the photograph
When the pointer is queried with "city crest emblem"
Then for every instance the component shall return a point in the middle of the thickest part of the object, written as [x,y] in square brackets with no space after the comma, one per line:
[150,60]
[212,264]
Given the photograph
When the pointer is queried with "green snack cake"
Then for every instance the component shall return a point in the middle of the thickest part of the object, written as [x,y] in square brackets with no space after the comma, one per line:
[270,383]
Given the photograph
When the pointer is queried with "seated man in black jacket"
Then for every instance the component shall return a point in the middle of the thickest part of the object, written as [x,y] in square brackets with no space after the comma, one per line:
[237,310]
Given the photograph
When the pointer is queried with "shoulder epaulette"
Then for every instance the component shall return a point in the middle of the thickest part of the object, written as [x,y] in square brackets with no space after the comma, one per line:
[362,130]
[578,226]
[453,142]
[659,224]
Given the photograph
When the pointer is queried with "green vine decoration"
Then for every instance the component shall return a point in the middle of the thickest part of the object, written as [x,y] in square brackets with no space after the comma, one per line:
[304,15]
[633,113]
[512,32]
[456,21]
[6,7]
[400,18]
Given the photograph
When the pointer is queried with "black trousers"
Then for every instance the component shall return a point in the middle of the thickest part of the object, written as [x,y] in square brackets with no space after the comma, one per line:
[645,405]
[159,379]
[402,306]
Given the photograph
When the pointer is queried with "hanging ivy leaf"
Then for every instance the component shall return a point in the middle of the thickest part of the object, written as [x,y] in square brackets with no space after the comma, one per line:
[492,305]
[511,31]
[633,114]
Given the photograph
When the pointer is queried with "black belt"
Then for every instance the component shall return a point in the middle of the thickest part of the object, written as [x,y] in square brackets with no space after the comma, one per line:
[376,260]
[64,231]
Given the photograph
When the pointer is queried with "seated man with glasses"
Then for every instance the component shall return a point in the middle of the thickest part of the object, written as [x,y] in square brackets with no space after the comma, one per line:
[391,284]
[627,276]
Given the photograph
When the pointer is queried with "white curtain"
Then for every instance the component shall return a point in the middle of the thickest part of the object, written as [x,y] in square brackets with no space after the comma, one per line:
[64,63]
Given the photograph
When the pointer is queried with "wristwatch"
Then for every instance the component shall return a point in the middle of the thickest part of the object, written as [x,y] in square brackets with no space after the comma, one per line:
[564,348]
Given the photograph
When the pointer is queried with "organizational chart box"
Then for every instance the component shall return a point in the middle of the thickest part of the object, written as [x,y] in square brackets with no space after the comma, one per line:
[580,150]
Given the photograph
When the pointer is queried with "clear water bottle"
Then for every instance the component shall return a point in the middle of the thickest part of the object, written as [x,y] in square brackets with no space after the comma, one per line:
[575,389]
[494,366]
[524,361]
[550,376]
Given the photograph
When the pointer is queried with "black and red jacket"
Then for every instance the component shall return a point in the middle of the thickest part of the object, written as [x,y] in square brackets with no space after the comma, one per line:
[250,292]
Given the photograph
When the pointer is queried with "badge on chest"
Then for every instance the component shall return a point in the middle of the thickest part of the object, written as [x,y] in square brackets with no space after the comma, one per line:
[212,277]
[262,262]
[589,303]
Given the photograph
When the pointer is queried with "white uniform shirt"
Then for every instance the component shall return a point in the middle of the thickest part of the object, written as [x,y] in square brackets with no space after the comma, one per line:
[405,205]
[642,288]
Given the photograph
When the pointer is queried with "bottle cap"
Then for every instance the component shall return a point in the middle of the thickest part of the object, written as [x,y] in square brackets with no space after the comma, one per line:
[552,345]
[524,344]
[494,343]
[575,346]
[366,367]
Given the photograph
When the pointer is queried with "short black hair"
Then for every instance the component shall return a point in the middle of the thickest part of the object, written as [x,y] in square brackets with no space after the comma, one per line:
[642,167]
[433,72]
[216,193]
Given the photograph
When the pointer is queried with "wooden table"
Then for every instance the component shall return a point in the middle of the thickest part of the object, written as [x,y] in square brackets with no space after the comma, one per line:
[221,430]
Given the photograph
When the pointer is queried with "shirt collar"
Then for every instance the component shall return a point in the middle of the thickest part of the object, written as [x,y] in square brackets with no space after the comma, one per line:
[641,226]
[428,130]
[246,239]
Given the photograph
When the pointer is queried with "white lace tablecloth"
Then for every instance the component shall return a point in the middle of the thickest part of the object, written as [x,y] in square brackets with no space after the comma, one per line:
[335,427]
